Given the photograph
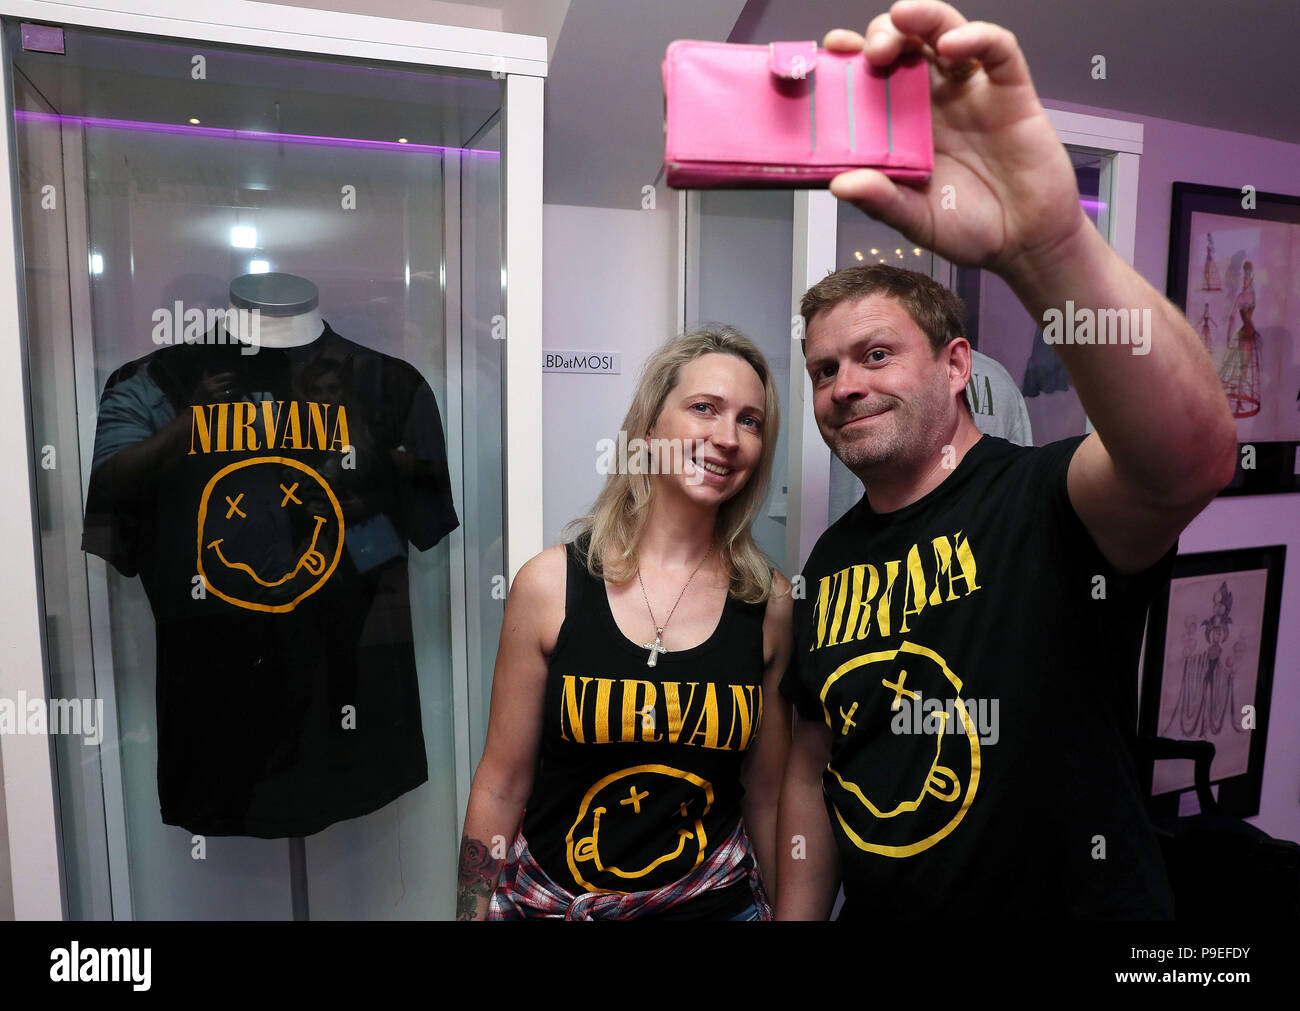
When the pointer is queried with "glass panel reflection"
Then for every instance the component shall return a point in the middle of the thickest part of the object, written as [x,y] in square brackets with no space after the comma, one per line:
[276,582]
[999,327]
[746,256]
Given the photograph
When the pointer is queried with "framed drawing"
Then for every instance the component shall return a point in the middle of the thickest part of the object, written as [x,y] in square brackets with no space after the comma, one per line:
[1208,673]
[1234,270]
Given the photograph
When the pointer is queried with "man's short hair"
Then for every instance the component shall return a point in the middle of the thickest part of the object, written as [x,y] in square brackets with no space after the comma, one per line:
[936,310]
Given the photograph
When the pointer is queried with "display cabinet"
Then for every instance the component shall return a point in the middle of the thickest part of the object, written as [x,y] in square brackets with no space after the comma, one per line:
[271,374]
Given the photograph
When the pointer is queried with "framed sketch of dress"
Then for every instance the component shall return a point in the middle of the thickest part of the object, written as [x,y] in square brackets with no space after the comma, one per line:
[1208,673]
[1234,270]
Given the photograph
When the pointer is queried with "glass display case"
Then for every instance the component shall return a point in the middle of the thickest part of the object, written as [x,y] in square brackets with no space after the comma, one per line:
[261,312]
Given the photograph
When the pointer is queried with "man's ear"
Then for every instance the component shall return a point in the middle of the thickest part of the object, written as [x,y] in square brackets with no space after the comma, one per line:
[959,363]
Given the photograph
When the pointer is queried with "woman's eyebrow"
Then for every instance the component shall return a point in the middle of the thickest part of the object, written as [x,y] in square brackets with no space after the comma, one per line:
[752,408]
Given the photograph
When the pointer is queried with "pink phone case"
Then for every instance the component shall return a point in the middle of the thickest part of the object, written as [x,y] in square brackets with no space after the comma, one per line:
[790,115]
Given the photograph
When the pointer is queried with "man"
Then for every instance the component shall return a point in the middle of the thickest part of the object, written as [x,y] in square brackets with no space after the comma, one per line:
[965,658]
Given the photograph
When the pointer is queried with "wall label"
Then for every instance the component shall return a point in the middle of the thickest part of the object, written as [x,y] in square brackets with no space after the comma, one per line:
[606,362]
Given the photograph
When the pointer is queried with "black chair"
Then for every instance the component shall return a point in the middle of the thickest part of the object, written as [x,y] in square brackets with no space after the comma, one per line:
[1220,867]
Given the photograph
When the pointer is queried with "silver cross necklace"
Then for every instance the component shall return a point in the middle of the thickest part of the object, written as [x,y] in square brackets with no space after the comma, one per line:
[657,646]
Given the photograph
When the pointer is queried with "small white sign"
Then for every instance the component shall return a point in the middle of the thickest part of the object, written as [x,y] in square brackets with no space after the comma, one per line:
[604,362]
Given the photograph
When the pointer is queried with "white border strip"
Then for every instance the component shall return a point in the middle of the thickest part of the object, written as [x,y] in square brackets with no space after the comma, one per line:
[523,350]
[28,759]
[241,22]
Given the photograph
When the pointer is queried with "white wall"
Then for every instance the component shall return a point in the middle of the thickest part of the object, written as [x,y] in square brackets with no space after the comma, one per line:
[607,286]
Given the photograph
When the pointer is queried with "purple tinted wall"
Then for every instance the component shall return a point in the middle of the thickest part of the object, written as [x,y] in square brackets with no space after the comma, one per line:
[1183,152]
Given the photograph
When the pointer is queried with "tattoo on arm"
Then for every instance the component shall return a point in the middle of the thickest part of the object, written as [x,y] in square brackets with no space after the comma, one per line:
[477,878]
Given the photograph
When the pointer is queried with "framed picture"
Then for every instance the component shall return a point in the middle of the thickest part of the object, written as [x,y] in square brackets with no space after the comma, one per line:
[1234,270]
[1208,672]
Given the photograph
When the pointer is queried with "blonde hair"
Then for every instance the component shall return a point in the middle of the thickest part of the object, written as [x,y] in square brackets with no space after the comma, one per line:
[618,517]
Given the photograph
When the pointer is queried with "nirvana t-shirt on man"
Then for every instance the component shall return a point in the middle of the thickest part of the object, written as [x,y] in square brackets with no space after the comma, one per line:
[266,500]
[975,658]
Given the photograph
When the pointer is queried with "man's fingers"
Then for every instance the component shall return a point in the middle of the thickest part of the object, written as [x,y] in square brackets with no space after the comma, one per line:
[885,43]
[900,207]
[956,46]
[909,24]
[842,38]
[992,45]
[926,19]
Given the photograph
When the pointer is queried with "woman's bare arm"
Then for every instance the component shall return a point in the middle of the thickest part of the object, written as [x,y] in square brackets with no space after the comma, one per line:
[504,779]
[765,765]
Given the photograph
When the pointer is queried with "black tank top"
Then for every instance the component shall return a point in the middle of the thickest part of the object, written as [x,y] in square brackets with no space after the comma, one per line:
[638,774]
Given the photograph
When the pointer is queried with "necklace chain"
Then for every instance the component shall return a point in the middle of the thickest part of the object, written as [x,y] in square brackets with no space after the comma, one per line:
[659,629]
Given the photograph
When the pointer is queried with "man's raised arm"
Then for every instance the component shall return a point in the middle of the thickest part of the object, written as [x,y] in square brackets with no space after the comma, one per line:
[1003,196]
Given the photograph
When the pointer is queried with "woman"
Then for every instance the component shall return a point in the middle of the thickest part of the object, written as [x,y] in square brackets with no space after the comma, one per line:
[624,775]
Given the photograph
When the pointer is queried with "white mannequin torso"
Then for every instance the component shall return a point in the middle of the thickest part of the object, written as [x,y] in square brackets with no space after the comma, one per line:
[282,331]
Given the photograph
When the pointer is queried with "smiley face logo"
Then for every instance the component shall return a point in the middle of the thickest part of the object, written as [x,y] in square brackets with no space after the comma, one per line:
[923,768]
[654,811]
[270,533]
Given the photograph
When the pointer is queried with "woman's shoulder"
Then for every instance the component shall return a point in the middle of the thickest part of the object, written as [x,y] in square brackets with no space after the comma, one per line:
[543,573]
[537,596]
[780,602]
[778,619]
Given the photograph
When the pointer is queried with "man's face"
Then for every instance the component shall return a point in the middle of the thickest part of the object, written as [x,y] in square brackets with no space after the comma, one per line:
[880,397]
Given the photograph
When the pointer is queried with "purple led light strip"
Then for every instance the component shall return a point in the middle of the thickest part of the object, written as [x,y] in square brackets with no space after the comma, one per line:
[191,130]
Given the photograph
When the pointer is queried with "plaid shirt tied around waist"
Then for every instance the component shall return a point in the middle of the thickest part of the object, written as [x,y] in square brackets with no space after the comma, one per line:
[525,891]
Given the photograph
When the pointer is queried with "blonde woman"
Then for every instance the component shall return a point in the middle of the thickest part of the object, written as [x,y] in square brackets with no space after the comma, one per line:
[637,739]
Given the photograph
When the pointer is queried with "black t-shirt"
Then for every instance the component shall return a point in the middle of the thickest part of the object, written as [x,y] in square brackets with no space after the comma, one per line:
[975,657]
[638,774]
[266,500]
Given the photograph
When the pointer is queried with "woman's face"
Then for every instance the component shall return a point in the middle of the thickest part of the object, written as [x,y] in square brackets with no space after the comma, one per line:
[711,429]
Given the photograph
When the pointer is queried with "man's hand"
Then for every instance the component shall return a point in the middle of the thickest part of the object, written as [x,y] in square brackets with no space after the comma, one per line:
[1013,196]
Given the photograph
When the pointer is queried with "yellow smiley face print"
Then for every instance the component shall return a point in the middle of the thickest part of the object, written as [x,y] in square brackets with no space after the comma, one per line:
[901,714]
[617,813]
[270,533]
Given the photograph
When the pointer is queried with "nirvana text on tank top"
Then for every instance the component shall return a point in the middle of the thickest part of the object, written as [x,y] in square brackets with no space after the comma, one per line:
[638,775]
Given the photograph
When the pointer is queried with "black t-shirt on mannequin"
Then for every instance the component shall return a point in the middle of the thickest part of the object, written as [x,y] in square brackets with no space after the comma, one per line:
[266,501]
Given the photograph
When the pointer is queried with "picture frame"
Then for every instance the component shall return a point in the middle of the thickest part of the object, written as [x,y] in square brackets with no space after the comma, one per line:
[1231,271]
[1208,671]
